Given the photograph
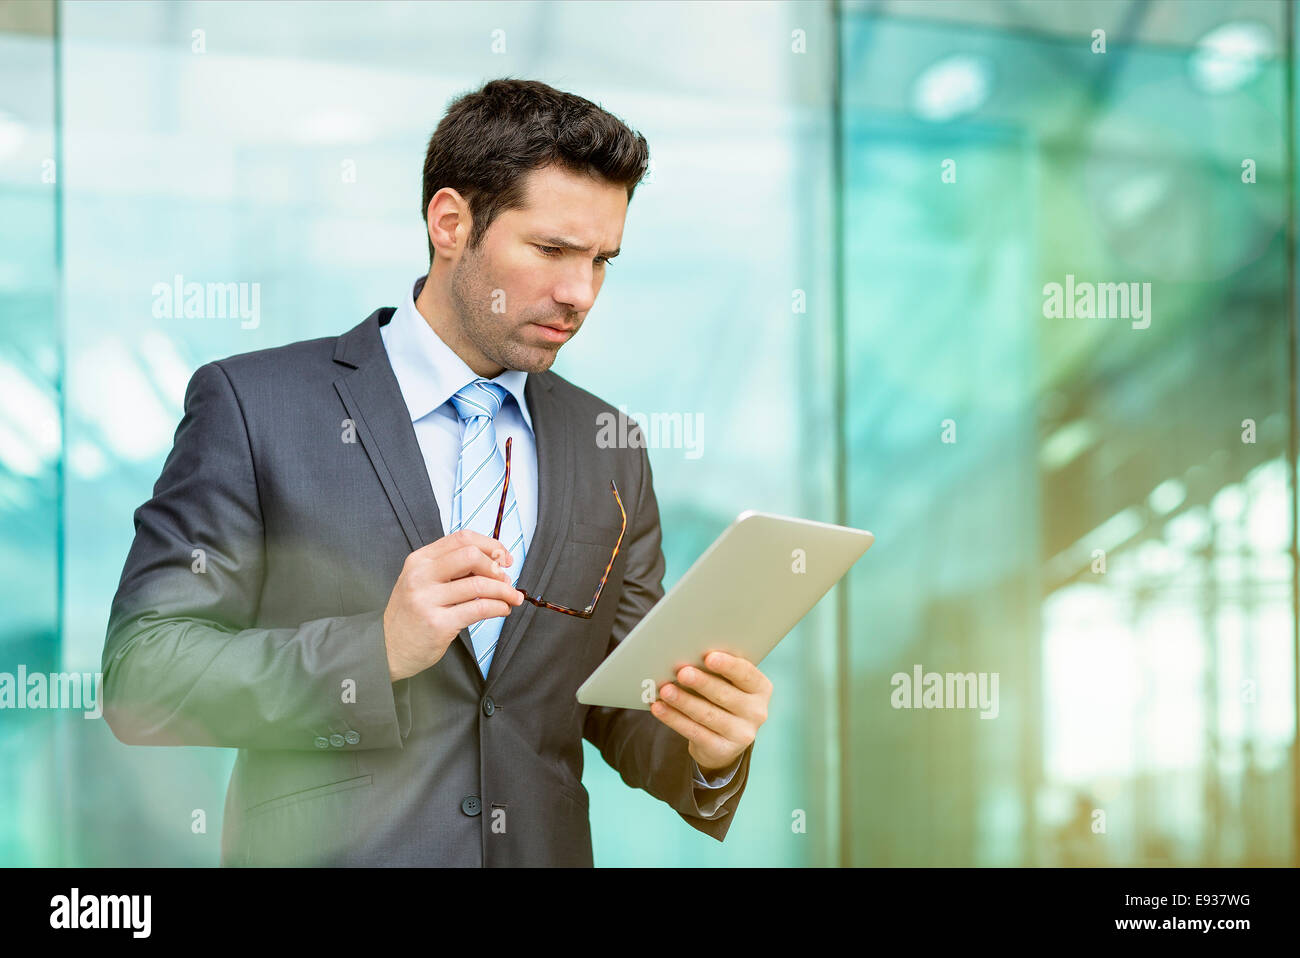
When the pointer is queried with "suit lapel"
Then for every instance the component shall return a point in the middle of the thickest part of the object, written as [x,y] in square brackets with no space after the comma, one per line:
[373,401]
[383,423]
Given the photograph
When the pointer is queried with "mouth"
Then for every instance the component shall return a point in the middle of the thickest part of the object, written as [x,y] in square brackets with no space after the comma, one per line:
[554,334]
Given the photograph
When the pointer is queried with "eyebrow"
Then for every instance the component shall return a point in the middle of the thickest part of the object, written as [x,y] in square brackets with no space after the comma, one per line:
[562,243]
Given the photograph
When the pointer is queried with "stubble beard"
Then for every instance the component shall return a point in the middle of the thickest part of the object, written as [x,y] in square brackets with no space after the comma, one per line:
[492,334]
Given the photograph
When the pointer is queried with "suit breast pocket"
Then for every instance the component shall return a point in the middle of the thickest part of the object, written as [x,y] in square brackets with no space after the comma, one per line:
[584,557]
[593,534]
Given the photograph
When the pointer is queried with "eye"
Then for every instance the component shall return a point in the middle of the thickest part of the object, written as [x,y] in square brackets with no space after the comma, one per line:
[548,250]
[604,261]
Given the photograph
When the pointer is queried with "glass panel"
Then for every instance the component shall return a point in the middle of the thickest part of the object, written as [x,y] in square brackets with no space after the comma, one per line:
[32,791]
[1068,422]
[278,147]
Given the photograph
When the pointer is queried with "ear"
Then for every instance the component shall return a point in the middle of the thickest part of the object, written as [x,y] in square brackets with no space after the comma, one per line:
[447,222]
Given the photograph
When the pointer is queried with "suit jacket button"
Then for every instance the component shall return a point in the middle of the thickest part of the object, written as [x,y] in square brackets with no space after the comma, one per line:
[489,706]
[322,742]
[470,805]
[351,737]
[336,740]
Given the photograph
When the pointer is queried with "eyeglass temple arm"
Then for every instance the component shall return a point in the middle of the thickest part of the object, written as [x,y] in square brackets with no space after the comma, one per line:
[614,554]
[501,509]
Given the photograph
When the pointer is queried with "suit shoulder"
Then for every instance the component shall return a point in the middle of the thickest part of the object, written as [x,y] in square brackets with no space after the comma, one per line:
[579,398]
[276,356]
[298,356]
[611,428]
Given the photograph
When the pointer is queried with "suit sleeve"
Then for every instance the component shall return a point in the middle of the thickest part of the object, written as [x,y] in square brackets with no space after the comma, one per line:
[182,663]
[646,753]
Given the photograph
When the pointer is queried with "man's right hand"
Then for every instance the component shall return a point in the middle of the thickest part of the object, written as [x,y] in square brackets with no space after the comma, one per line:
[444,587]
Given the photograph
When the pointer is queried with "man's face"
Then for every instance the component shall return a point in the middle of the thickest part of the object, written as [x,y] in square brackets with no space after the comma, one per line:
[539,266]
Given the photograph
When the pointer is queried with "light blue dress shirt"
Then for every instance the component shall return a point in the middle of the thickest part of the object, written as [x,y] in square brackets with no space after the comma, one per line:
[429,373]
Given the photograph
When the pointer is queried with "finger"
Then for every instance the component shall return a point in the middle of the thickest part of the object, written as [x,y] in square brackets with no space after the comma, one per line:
[742,673]
[730,727]
[689,729]
[465,614]
[716,689]
[467,537]
[467,560]
[474,587]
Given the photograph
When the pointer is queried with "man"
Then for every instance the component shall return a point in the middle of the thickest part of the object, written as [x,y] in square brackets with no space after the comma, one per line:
[331,573]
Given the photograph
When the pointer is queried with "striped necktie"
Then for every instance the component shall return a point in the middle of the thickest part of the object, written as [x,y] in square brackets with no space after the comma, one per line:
[479,477]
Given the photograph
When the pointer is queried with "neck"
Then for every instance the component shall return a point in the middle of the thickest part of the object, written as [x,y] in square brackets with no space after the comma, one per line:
[436,310]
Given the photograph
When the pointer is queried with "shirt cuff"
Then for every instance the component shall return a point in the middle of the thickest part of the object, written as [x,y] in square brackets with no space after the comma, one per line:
[719,781]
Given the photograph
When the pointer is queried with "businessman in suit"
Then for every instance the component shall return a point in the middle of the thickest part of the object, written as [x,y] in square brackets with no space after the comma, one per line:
[335,577]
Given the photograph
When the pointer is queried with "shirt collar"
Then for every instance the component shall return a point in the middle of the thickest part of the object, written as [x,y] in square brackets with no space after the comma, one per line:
[428,371]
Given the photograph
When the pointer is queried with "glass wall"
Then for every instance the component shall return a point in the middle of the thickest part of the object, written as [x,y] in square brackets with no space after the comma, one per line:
[280,146]
[32,743]
[841,267]
[1068,365]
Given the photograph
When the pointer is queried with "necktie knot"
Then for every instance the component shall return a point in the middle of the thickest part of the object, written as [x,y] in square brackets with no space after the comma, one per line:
[479,398]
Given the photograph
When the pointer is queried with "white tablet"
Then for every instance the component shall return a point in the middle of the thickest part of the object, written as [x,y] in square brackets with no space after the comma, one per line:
[743,596]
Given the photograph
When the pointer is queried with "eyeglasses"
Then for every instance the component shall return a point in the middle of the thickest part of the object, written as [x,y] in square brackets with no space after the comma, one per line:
[538,600]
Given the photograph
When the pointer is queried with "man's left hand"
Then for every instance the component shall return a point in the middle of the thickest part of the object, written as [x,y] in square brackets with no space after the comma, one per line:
[717,711]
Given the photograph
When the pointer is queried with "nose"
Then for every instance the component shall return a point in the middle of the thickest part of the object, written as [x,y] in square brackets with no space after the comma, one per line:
[577,290]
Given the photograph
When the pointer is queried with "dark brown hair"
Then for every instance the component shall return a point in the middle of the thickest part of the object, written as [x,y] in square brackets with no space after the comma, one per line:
[491,139]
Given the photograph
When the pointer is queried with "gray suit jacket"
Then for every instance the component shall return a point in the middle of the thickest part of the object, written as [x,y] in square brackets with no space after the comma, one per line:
[249,616]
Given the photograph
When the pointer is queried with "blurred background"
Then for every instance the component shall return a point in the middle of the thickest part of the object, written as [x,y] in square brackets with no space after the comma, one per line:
[838,265]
